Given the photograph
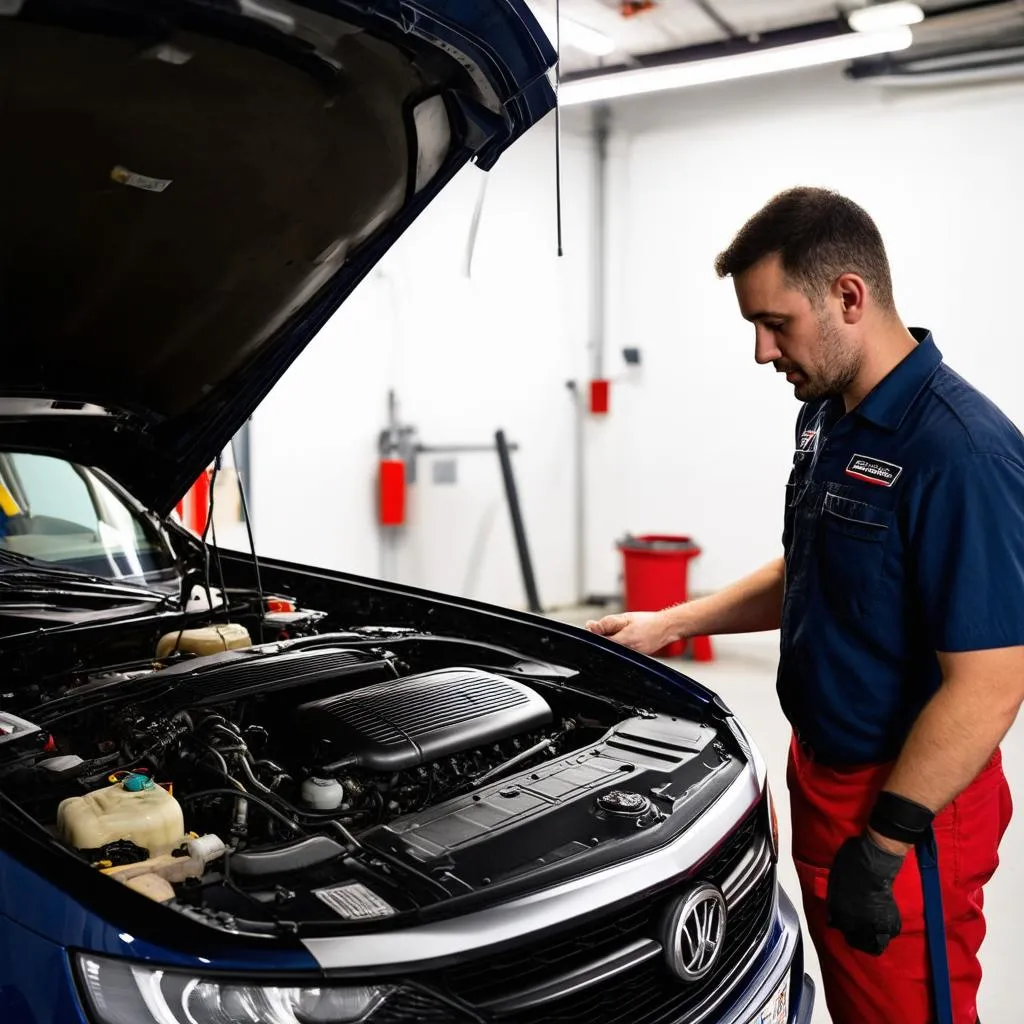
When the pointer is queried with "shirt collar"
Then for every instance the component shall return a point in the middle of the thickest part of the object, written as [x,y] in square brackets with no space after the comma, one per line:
[890,400]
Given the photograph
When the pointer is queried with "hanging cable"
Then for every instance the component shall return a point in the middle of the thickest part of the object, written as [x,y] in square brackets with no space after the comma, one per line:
[558,122]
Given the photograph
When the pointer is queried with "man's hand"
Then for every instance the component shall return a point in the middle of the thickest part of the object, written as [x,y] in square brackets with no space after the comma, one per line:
[860,900]
[646,632]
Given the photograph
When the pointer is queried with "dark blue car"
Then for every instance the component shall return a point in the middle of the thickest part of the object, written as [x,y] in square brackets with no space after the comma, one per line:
[238,791]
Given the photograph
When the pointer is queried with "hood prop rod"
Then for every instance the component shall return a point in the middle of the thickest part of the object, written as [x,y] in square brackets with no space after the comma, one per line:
[252,542]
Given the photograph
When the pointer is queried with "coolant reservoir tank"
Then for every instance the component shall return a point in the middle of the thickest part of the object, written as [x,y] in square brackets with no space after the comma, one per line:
[214,639]
[323,794]
[134,808]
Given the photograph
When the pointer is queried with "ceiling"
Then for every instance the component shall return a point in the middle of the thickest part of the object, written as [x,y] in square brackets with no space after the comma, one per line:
[674,24]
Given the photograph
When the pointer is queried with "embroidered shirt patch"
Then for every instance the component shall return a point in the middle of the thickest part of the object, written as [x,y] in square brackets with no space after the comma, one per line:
[873,471]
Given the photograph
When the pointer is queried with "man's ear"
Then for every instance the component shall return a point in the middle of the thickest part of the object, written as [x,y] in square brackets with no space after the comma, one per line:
[852,295]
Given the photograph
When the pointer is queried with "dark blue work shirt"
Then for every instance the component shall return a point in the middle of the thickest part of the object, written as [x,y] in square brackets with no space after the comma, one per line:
[904,536]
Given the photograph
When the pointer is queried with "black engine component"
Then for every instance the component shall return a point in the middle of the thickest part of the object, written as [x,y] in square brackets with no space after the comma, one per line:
[642,771]
[403,723]
[121,851]
[297,855]
[235,674]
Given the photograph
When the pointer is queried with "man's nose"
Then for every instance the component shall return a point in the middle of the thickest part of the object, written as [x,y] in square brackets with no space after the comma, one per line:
[765,348]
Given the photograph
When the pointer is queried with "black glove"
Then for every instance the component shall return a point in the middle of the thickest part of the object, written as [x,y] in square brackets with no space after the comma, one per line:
[860,901]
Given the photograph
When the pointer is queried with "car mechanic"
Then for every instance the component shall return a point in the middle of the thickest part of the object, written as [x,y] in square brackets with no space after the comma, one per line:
[900,600]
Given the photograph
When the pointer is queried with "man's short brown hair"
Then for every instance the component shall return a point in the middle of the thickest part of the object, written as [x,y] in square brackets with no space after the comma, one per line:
[819,236]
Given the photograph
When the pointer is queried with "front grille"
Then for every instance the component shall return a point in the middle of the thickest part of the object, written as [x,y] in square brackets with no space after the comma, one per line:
[650,994]
[721,863]
[503,975]
[484,982]
[410,1006]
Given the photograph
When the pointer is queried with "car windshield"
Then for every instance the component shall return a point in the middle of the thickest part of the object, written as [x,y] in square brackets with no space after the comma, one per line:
[56,511]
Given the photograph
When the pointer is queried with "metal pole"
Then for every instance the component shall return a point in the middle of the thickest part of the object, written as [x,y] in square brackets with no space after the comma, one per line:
[518,528]
[242,443]
[388,554]
[579,503]
[389,448]
[458,449]
[598,333]
[602,130]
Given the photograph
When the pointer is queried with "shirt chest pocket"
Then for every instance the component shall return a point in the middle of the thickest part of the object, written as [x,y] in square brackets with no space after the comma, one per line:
[853,541]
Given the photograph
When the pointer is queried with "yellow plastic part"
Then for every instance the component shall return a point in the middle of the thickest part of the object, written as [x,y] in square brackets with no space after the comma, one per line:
[150,818]
[152,886]
[7,503]
[216,639]
[156,877]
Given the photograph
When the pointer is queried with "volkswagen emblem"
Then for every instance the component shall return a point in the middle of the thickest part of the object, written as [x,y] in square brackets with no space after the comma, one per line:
[694,931]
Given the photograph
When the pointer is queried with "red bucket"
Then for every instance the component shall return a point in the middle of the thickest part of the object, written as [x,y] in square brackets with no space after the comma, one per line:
[654,569]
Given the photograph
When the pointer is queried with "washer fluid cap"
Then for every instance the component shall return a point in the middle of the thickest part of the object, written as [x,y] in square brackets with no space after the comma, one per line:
[137,783]
[620,802]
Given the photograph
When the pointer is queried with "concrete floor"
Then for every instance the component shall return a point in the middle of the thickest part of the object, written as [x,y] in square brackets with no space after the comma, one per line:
[743,673]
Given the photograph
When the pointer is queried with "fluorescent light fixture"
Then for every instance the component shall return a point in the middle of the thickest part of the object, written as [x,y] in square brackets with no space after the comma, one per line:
[879,17]
[589,40]
[741,65]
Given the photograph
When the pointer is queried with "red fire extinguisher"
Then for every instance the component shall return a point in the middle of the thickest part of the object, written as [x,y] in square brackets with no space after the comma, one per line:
[391,492]
[194,507]
[395,446]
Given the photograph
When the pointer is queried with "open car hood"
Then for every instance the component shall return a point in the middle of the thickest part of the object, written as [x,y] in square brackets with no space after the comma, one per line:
[191,188]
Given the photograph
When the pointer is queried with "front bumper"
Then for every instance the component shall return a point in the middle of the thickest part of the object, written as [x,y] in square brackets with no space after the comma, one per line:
[783,955]
[44,992]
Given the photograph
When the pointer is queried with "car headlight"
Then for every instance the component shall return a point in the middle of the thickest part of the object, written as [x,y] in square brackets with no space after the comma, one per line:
[119,992]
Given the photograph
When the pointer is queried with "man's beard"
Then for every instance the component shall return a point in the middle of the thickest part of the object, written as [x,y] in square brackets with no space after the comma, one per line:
[836,369]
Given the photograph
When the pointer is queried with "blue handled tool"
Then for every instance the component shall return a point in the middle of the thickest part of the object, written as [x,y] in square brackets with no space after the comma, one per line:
[935,926]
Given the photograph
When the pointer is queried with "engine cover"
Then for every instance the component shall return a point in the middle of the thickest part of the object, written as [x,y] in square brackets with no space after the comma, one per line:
[589,802]
[402,723]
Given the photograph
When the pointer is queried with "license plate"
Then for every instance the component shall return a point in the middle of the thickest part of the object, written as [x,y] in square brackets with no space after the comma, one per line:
[776,1010]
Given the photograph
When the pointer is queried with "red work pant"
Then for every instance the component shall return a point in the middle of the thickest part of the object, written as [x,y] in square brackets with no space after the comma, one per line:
[831,805]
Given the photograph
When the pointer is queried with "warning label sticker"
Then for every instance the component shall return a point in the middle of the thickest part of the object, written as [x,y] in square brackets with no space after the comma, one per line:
[125,177]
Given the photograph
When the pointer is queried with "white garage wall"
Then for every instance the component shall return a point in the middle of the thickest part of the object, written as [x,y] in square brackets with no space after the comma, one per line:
[467,356]
[702,443]
[699,439]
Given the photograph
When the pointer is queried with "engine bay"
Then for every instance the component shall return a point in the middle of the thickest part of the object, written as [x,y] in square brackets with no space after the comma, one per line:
[346,778]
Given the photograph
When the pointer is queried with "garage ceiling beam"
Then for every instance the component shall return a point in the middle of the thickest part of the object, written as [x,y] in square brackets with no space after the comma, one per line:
[728,28]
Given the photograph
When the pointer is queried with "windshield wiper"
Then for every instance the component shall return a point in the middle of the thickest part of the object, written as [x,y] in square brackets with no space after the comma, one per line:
[16,568]
[15,557]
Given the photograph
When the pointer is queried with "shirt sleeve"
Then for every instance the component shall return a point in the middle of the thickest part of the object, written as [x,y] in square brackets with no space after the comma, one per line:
[967,552]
